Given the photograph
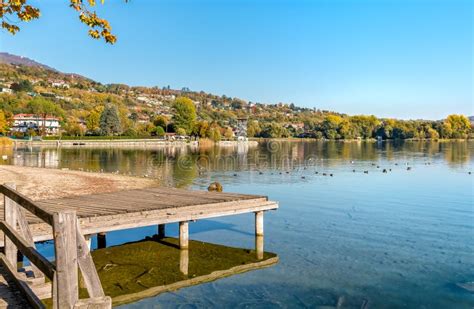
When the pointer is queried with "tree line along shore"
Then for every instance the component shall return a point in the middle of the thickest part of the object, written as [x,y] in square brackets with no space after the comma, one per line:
[84,109]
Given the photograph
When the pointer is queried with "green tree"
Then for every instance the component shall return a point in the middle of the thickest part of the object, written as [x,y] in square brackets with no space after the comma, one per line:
[202,128]
[146,129]
[110,121]
[74,128]
[253,128]
[43,108]
[366,125]
[347,130]
[180,131]
[93,121]
[274,130]
[125,122]
[185,114]
[432,133]
[386,130]
[161,121]
[159,131]
[24,85]
[330,126]
[133,117]
[215,134]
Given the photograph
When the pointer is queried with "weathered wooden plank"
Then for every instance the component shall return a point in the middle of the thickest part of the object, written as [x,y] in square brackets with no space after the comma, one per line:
[104,302]
[169,192]
[10,295]
[98,203]
[54,291]
[26,233]
[124,222]
[119,204]
[184,207]
[31,253]
[22,285]
[26,203]
[39,286]
[146,199]
[93,225]
[11,217]
[66,292]
[81,210]
[87,267]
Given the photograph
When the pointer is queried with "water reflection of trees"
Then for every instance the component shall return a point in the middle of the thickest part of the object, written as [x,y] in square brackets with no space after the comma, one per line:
[181,165]
[456,152]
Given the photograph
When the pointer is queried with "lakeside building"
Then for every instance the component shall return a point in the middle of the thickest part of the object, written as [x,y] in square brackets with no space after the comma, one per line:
[59,84]
[240,130]
[6,90]
[25,122]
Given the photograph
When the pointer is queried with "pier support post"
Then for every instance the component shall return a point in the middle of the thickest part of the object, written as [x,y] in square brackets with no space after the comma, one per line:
[101,240]
[20,257]
[11,218]
[184,235]
[65,283]
[184,261]
[259,247]
[161,231]
[259,223]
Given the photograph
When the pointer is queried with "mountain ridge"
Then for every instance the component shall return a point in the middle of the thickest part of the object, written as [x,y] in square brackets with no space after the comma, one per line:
[20,60]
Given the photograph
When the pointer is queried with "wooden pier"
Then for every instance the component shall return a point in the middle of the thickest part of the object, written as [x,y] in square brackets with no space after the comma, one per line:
[72,221]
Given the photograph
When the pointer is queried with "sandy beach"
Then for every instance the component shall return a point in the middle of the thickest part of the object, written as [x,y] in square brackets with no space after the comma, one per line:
[41,183]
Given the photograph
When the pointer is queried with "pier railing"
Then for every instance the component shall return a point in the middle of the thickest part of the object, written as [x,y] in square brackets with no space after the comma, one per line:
[70,248]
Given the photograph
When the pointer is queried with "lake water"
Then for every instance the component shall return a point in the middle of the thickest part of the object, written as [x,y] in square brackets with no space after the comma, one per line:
[404,238]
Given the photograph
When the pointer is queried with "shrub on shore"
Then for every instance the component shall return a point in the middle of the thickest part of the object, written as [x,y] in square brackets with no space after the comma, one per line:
[206,142]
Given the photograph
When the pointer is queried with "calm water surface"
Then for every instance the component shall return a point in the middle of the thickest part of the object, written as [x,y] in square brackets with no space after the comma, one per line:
[404,238]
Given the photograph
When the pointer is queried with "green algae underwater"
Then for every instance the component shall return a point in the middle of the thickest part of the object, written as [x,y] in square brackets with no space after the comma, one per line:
[148,267]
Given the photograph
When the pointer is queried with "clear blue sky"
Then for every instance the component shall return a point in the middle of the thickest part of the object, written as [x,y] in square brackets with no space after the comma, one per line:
[399,58]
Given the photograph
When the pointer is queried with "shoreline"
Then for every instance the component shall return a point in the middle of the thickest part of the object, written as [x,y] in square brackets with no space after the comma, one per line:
[124,142]
[371,140]
[41,183]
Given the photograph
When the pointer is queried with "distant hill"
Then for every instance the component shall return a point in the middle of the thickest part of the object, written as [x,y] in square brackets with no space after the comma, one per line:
[80,100]
[18,60]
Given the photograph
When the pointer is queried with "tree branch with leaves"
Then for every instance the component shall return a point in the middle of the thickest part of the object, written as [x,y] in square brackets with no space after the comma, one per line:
[13,12]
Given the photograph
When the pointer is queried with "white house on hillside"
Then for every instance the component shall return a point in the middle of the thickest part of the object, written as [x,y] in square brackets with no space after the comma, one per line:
[6,90]
[24,122]
[59,84]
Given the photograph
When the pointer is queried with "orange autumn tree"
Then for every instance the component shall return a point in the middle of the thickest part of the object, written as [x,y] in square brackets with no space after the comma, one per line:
[14,11]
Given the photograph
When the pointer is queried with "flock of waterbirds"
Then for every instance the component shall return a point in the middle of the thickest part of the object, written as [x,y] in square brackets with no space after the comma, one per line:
[297,169]
[294,170]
